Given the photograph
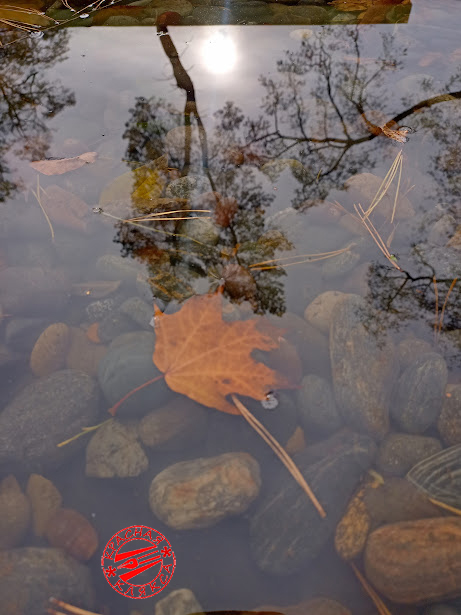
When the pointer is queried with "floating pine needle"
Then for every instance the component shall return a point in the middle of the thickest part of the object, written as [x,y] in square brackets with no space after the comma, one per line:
[280,452]
[150,228]
[37,196]
[69,608]
[306,258]
[165,215]
[385,185]
[379,604]
[376,237]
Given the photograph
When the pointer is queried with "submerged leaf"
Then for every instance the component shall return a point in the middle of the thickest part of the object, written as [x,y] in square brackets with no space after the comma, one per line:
[206,358]
[58,166]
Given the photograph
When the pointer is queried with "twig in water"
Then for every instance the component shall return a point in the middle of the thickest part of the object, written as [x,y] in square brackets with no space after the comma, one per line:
[280,452]
[382,608]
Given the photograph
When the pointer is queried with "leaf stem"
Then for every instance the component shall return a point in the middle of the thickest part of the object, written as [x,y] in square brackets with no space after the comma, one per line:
[114,408]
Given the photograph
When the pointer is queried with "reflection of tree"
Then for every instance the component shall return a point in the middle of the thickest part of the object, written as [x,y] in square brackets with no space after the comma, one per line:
[323,110]
[28,99]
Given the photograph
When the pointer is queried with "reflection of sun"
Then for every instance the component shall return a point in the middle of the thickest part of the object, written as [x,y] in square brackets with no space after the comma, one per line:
[219,53]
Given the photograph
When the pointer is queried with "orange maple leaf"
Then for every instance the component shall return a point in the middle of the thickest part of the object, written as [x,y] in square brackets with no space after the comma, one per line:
[206,358]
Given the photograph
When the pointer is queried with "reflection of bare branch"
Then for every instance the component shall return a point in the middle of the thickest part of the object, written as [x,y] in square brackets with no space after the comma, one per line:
[184,82]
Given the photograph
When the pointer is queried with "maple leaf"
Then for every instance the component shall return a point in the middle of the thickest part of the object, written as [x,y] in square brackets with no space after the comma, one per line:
[206,358]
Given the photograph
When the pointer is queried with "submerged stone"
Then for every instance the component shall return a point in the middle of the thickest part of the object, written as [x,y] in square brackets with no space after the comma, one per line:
[201,492]
[286,530]
[363,366]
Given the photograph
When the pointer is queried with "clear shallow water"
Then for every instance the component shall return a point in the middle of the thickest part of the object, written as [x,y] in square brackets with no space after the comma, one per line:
[310,97]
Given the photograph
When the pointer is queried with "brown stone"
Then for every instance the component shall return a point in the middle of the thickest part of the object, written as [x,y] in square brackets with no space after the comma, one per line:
[45,500]
[71,531]
[416,561]
[48,354]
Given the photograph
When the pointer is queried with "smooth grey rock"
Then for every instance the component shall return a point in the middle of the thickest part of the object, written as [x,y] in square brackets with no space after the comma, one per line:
[442,230]
[286,531]
[114,267]
[399,452]
[181,423]
[114,451]
[317,407]
[364,368]
[45,413]
[31,291]
[31,575]
[113,325]
[410,349]
[443,262]
[311,344]
[449,423]
[340,265]
[203,230]
[200,493]
[419,394]
[178,602]
[138,311]
[127,365]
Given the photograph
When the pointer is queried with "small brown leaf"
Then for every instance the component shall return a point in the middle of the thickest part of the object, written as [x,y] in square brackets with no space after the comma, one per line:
[58,166]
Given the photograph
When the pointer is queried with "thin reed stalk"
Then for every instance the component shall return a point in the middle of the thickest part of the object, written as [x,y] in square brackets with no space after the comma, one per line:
[280,452]
[379,604]
[376,236]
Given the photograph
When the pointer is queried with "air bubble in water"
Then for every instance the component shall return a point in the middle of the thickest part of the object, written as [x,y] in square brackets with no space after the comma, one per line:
[97,210]
[36,34]
[84,15]
[270,402]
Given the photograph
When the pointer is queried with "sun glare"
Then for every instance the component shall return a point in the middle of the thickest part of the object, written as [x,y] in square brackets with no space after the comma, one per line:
[219,53]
